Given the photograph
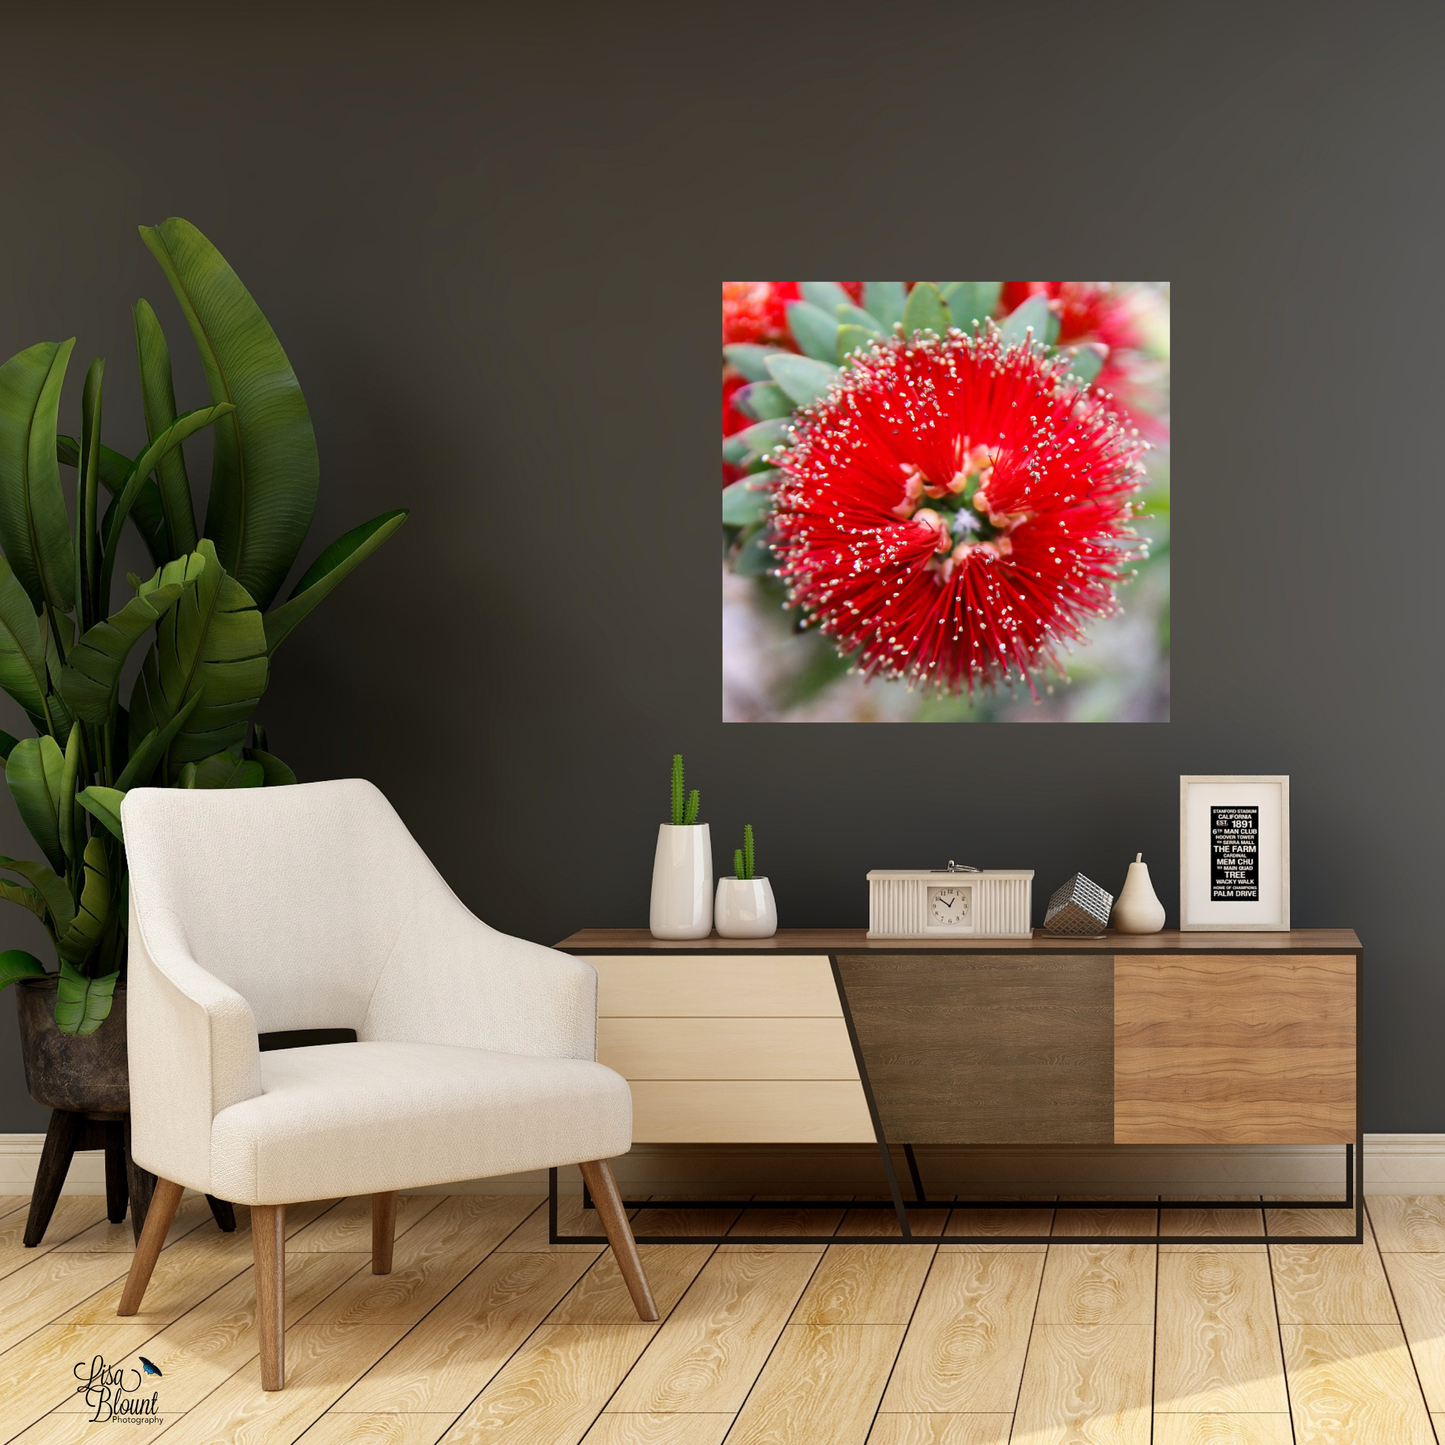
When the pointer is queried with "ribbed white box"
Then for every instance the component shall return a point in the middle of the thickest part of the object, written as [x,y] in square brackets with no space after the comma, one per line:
[934,903]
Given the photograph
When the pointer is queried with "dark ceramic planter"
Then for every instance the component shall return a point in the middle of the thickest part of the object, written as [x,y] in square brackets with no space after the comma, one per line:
[86,1073]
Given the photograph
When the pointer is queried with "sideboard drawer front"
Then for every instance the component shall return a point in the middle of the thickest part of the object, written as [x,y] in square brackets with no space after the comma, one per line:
[750,1112]
[980,1049]
[712,987]
[716,1048]
[1234,1049]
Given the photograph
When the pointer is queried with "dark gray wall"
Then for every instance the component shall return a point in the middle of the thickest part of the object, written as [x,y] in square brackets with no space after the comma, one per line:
[491,244]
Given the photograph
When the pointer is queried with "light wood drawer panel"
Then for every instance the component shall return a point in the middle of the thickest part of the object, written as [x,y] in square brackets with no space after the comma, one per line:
[631,987]
[750,1112]
[746,1048]
[1234,1049]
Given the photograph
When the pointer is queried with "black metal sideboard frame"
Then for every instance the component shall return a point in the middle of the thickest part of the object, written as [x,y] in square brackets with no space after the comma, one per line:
[1354,1192]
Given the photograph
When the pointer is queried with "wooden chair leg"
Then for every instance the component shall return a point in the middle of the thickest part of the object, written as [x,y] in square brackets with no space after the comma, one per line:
[158,1222]
[608,1202]
[268,1240]
[62,1138]
[117,1188]
[383,1231]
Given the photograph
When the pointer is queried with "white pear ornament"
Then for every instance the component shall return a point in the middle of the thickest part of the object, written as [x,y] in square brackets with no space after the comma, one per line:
[1138,909]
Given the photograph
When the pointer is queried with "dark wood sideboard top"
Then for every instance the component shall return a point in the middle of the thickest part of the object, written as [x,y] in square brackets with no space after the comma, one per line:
[856,940]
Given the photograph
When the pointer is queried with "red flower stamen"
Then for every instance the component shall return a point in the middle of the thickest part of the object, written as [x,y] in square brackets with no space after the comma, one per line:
[1032,565]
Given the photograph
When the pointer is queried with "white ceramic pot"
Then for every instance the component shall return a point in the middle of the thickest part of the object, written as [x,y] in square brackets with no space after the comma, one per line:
[1138,909]
[682,882]
[745,908]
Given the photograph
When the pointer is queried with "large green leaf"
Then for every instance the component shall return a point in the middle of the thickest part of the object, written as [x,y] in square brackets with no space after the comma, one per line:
[925,310]
[86,551]
[753,441]
[224,770]
[274,772]
[22,646]
[146,755]
[82,1004]
[158,397]
[90,680]
[70,826]
[266,470]
[850,315]
[34,525]
[344,554]
[80,939]
[16,963]
[30,898]
[33,773]
[146,514]
[211,642]
[104,803]
[49,885]
[801,377]
[166,444]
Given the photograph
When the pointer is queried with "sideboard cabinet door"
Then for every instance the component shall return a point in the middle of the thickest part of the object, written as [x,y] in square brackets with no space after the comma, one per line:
[979,1049]
[1234,1049]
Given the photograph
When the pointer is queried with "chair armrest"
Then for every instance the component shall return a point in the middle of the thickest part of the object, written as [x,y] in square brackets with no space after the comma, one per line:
[192,1046]
[450,979]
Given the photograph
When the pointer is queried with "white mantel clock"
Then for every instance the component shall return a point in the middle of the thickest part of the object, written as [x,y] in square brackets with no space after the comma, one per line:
[954,902]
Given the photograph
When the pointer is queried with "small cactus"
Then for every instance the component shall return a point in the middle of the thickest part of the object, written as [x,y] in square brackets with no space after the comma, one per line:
[684,804]
[743,863]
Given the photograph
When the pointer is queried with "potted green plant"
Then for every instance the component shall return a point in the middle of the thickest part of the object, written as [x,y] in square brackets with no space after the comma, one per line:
[745,906]
[682,868]
[208,618]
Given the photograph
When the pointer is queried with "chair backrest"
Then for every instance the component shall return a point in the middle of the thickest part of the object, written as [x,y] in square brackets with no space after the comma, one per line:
[294,896]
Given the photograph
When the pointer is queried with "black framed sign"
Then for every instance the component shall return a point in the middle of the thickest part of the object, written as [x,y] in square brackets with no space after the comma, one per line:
[1234,852]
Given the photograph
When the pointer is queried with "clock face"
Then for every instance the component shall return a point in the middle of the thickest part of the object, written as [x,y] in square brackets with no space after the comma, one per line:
[950,906]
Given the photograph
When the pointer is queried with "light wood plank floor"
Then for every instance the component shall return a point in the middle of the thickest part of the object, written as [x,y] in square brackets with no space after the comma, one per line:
[485,1333]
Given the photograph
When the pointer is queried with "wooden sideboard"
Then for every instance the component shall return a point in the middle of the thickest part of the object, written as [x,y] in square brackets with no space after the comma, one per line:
[826,1036]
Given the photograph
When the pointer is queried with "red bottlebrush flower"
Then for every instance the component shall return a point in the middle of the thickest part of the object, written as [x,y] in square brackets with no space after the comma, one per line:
[953,512]
[758,310]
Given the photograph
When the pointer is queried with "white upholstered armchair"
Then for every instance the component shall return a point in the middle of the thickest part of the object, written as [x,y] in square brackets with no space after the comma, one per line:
[264,910]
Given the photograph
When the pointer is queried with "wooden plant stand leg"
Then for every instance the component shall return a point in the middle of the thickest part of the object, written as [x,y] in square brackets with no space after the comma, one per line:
[153,1237]
[383,1231]
[223,1212]
[142,1185]
[117,1186]
[268,1240]
[608,1202]
[62,1139]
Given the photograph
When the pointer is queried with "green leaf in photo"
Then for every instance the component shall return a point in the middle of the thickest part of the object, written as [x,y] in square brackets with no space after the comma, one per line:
[815,331]
[82,1004]
[746,502]
[804,379]
[885,300]
[751,359]
[925,310]
[1034,315]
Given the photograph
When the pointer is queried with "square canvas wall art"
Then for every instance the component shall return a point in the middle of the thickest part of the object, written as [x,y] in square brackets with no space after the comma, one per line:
[945,501]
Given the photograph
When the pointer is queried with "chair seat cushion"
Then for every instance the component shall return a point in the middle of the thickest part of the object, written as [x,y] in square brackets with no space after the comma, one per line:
[341,1119]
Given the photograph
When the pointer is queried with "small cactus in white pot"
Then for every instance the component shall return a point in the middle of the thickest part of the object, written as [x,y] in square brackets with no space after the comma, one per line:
[745,906]
[682,868]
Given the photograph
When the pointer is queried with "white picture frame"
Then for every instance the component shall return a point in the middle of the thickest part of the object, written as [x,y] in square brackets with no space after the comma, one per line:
[1234,853]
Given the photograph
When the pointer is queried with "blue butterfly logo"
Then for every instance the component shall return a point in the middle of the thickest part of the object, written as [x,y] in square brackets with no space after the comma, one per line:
[149,1368]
